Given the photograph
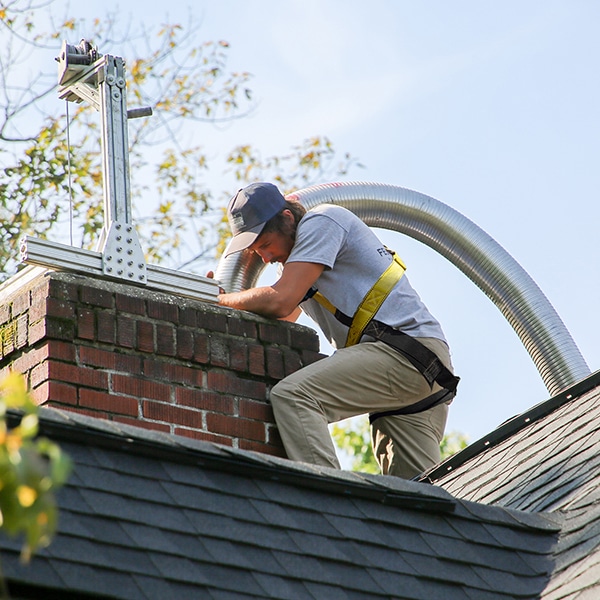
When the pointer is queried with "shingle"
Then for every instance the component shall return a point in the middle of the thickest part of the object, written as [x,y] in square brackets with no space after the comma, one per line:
[276,586]
[217,526]
[128,484]
[417,588]
[319,546]
[90,579]
[189,496]
[515,587]
[163,589]
[310,569]
[287,517]
[113,505]
[386,559]
[152,538]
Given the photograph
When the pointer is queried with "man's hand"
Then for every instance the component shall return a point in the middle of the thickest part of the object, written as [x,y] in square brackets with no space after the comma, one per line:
[281,300]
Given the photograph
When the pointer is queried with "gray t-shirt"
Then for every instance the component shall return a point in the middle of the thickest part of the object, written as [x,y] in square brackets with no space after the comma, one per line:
[354,258]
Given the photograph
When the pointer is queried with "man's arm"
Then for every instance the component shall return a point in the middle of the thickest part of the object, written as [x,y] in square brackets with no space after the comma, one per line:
[280,300]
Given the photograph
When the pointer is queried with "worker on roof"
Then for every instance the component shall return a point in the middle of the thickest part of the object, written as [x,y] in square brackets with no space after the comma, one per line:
[391,360]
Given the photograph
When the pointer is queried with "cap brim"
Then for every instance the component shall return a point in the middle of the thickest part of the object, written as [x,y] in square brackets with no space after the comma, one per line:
[242,240]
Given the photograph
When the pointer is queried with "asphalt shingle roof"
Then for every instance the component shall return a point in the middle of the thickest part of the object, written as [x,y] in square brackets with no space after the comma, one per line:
[549,464]
[148,515]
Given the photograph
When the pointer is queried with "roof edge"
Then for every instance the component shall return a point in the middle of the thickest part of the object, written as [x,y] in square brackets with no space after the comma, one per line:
[509,428]
[74,427]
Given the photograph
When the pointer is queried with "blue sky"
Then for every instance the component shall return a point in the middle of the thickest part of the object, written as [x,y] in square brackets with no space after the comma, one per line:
[489,107]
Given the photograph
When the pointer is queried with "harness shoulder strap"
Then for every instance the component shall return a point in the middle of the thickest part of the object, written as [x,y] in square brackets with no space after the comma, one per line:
[374,298]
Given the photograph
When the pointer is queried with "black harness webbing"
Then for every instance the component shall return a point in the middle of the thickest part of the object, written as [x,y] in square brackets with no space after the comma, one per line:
[421,357]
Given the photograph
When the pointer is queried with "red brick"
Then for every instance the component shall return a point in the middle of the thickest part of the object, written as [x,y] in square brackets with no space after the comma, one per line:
[145,336]
[275,366]
[96,297]
[105,321]
[130,304]
[37,331]
[59,371]
[61,351]
[144,424]
[256,359]
[96,357]
[220,381]
[22,325]
[7,337]
[60,329]
[165,339]
[163,311]
[128,363]
[4,313]
[309,357]
[219,352]
[83,411]
[29,359]
[125,331]
[236,427]
[184,344]
[240,327]
[274,333]
[171,372]
[260,411]
[108,402]
[86,324]
[187,316]
[168,413]
[212,321]
[304,339]
[60,309]
[141,388]
[203,400]
[204,436]
[55,391]
[63,290]
[37,310]
[263,448]
[201,348]
[291,361]
[238,357]
[20,304]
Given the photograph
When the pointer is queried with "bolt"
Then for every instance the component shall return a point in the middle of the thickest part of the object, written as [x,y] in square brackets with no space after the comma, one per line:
[119,248]
[118,226]
[129,263]
[119,237]
[120,272]
[141,277]
[130,251]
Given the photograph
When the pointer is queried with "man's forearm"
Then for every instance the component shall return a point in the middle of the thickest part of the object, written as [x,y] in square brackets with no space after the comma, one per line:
[263,301]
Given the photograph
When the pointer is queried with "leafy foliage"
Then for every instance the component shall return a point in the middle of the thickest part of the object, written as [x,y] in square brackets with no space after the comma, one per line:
[353,438]
[187,84]
[31,470]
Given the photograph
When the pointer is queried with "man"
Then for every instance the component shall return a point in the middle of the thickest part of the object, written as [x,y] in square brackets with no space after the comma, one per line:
[391,354]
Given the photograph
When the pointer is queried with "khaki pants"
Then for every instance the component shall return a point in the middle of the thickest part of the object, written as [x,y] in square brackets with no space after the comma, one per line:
[365,378]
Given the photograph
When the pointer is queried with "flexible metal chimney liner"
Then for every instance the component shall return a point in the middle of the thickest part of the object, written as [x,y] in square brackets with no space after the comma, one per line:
[465,245]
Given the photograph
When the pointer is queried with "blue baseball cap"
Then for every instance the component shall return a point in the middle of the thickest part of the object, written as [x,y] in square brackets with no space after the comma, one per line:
[248,212]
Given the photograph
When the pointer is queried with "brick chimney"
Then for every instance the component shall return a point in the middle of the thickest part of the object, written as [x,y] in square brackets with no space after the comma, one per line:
[128,354]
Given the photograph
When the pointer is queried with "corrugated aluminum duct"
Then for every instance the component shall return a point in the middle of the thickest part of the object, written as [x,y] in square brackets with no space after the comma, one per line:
[465,245]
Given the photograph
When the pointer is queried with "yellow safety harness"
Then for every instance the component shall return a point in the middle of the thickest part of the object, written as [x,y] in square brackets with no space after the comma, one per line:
[364,323]
[372,301]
